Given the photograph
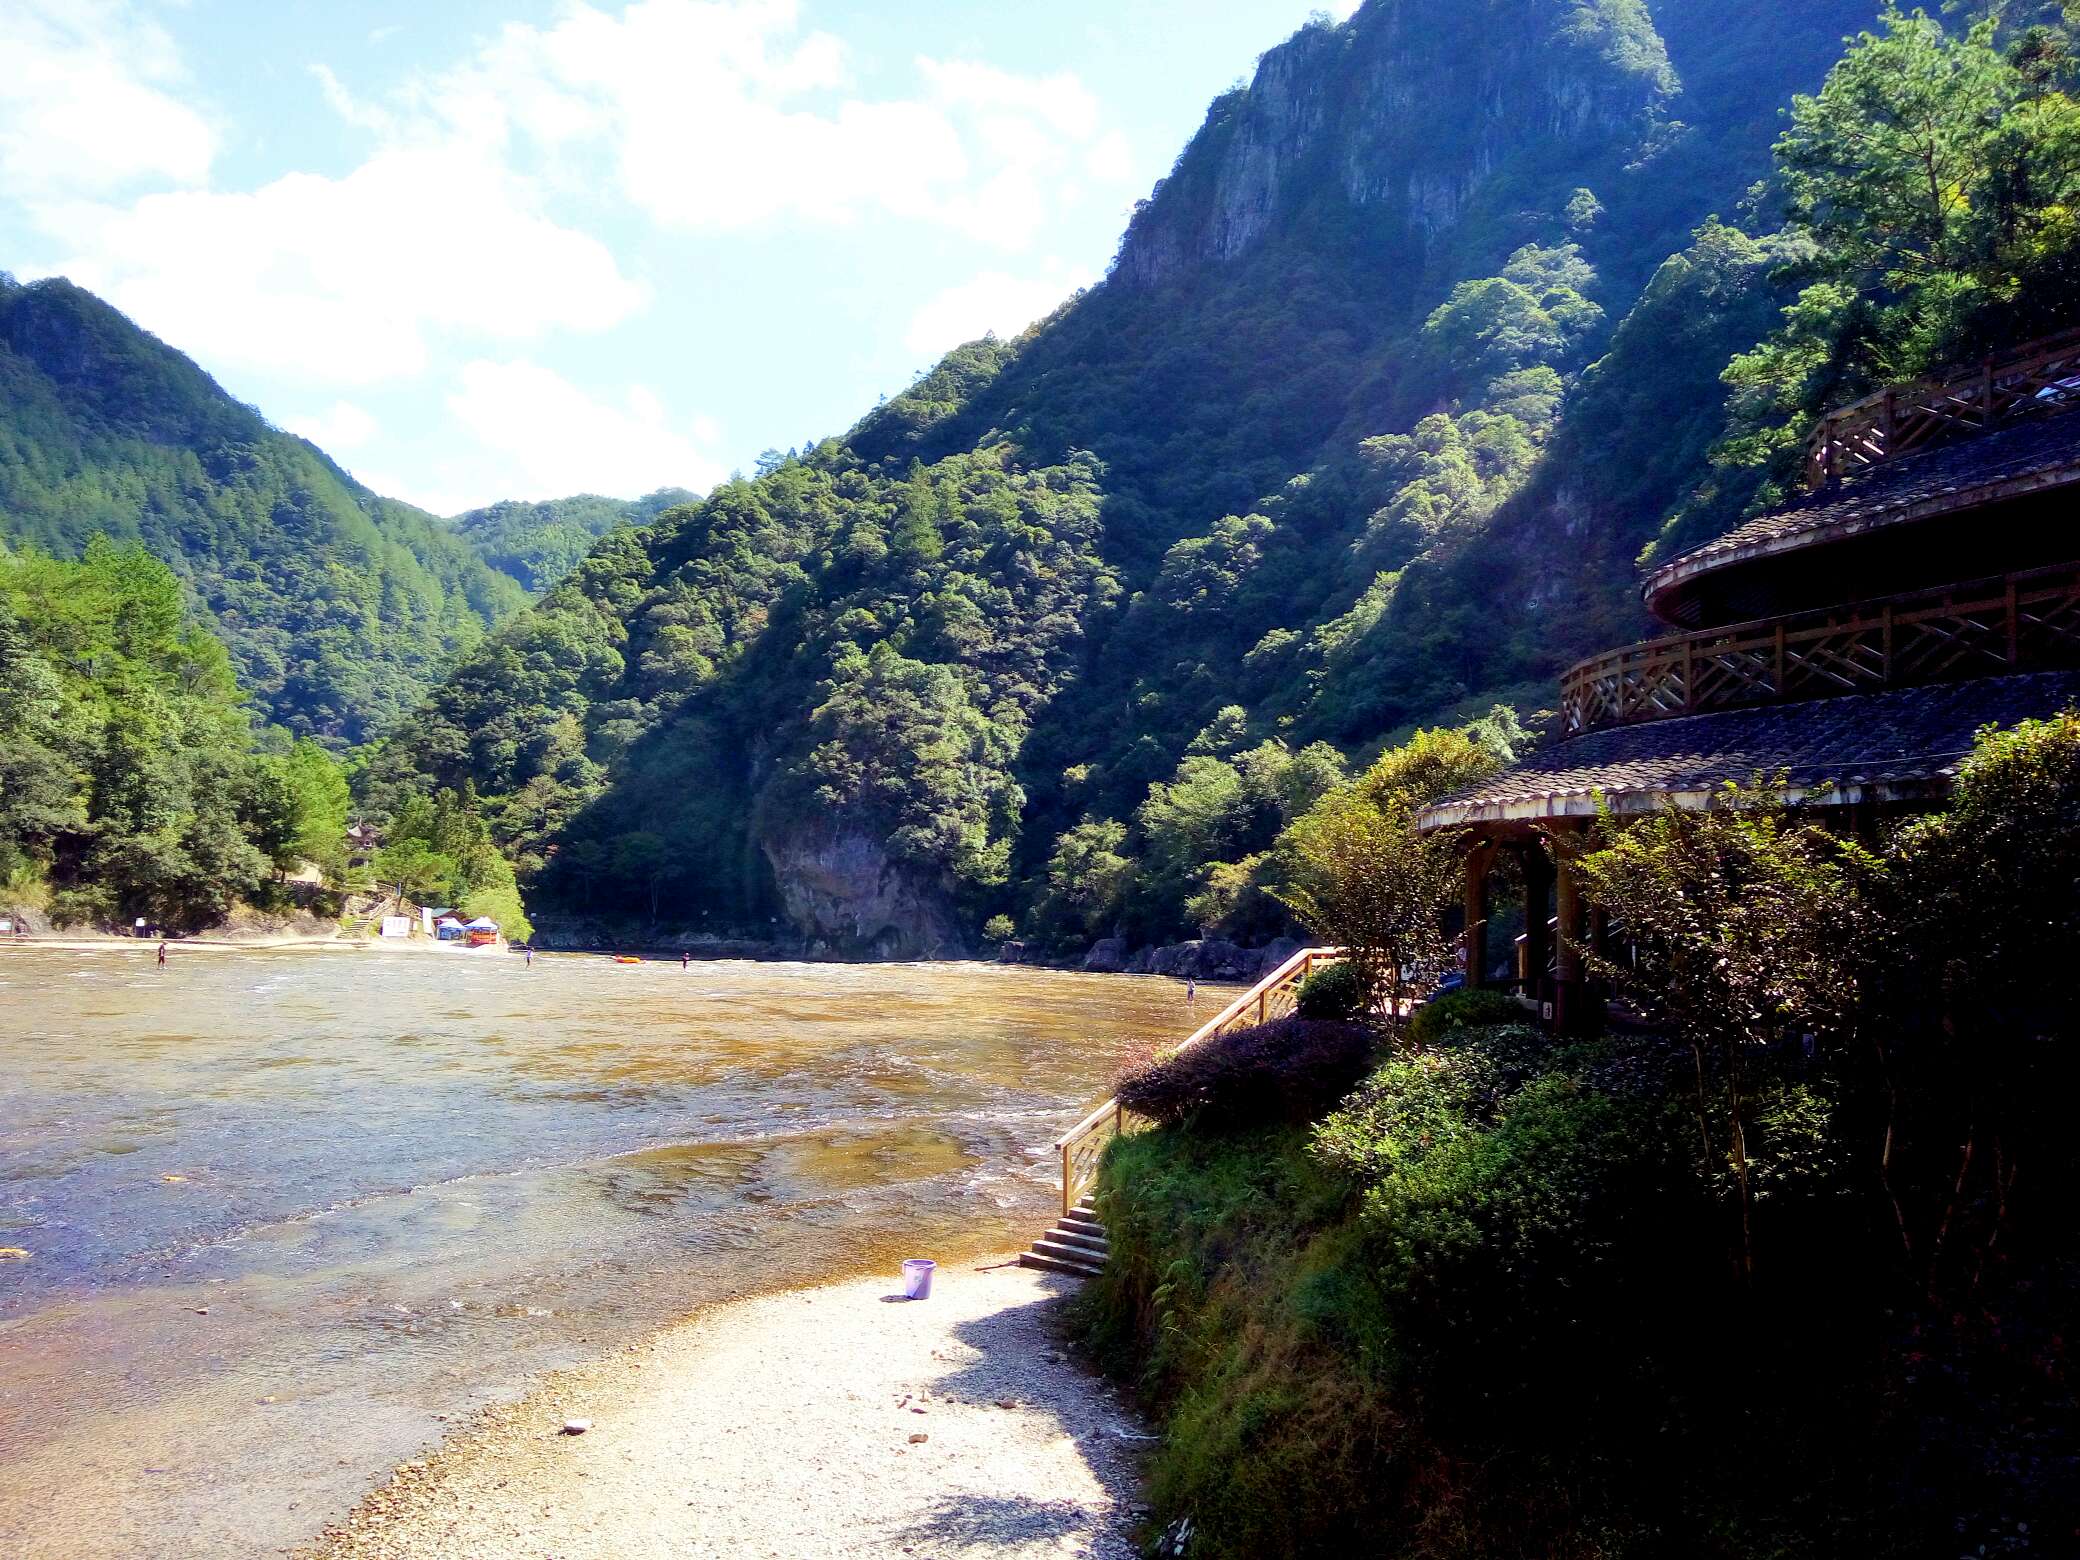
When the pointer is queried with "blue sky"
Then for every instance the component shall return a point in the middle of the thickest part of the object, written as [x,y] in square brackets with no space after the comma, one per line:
[485,250]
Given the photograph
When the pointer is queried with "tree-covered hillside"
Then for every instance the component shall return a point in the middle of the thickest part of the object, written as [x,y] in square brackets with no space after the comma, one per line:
[132,783]
[1394,378]
[539,542]
[339,607]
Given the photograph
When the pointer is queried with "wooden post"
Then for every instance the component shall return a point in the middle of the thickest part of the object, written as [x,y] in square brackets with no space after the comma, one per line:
[1538,883]
[1569,910]
[1572,1006]
[1476,905]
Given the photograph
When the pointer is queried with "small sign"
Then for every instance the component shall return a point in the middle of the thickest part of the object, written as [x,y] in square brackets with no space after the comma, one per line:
[5,924]
[397,926]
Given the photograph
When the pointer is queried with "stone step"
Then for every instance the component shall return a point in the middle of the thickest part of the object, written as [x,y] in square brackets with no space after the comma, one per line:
[1082,1216]
[1089,1240]
[1090,1261]
[1038,1259]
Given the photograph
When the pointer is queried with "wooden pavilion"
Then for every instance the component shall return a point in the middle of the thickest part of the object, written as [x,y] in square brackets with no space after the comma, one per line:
[1853,641]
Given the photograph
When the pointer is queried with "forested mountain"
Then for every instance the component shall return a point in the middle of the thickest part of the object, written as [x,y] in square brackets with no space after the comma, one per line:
[339,607]
[539,542]
[1421,343]
[132,783]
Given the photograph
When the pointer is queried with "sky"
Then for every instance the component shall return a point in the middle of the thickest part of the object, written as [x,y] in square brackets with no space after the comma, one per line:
[484,250]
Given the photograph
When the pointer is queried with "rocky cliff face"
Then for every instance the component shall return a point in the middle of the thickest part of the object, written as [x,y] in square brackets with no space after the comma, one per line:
[1406,112]
[839,887]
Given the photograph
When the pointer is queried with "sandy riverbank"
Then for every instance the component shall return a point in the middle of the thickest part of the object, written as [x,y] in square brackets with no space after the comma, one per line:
[836,1421]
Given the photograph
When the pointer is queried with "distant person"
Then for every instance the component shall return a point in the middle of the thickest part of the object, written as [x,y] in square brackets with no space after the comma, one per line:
[162,953]
[530,956]
[685,960]
[1191,989]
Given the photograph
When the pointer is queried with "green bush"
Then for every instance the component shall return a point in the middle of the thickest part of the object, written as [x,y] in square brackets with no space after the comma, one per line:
[1336,991]
[1463,1010]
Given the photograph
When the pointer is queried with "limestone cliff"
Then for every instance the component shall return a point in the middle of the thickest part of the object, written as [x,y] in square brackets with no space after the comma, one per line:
[1406,112]
[838,886]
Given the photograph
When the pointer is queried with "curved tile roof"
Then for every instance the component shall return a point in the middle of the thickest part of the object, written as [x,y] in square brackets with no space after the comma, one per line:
[2024,457]
[1902,744]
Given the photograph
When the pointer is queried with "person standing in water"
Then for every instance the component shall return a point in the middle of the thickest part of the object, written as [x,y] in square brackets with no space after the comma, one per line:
[530,955]
[1191,989]
[685,959]
[162,953]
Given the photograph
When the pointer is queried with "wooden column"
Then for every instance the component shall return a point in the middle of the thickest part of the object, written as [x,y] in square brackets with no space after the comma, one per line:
[1538,882]
[1569,908]
[1474,943]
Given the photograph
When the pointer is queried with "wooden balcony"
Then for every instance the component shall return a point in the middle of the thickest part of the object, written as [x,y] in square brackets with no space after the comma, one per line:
[1984,628]
[2041,377]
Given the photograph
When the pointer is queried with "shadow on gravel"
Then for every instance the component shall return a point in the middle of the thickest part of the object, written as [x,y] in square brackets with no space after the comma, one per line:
[1000,1522]
[1019,1360]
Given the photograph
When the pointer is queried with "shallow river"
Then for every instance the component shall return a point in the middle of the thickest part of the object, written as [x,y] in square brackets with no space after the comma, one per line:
[288,1214]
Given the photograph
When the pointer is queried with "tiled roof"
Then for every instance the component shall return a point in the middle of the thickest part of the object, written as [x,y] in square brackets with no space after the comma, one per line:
[2044,453]
[1901,744]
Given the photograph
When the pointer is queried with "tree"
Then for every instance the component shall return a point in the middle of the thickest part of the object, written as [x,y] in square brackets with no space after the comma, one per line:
[1975,1049]
[1366,878]
[1749,928]
[1929,189]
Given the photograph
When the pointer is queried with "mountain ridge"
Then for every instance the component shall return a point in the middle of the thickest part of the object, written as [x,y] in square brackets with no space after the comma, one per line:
[1085,596]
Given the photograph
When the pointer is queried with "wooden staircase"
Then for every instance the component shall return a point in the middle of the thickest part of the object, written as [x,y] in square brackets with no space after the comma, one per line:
[1076,1245]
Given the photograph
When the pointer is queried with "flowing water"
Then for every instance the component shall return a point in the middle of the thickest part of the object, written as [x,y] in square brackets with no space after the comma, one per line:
[286,1214]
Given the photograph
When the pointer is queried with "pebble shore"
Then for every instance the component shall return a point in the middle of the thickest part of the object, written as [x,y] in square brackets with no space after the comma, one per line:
[838,1421]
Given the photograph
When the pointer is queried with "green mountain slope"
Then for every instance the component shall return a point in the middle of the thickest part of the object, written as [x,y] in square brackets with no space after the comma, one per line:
[1052,631]
[339,607]
[539,542]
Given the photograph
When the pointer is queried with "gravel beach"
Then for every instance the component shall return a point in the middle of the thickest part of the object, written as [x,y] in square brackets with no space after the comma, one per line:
[838,1421]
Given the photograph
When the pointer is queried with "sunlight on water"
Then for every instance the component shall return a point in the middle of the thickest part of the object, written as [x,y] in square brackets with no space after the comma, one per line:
[282,1210]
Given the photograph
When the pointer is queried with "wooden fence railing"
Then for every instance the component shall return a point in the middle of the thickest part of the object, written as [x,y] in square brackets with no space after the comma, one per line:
[2039,377]
[1083,1145]
[1981,628]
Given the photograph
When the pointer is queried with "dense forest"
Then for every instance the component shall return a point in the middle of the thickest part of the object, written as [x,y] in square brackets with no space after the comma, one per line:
[339,607]
[133,784]
[538,542]
[1392,379]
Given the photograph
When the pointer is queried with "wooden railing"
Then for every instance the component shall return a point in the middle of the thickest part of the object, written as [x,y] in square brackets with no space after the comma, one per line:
[1083,1145]
[1982,628]
[2040,377]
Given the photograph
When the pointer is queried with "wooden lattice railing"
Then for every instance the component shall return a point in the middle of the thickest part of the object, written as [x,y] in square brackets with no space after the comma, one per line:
[2014,622]
[2041,377]
[1083,1145]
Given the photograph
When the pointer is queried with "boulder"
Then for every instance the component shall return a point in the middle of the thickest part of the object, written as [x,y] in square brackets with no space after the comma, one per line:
[1108,955]
[1275,953]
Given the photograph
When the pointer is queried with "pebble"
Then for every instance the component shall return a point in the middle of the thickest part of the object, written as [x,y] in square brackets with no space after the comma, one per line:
[576,1426]
[919,1438]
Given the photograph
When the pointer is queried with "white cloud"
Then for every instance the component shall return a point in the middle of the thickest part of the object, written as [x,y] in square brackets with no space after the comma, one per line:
[728,115]
[990,301]
[89,101]
[537,435]
[345,427]
[347,280]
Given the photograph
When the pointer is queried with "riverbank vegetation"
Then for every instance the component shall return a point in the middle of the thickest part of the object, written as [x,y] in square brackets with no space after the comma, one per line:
[1786,1273]
[133,781]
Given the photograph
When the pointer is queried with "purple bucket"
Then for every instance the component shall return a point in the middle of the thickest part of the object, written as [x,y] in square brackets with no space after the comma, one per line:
[917,1278]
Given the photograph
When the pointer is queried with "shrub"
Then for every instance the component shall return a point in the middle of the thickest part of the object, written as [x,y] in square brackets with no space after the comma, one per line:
[1420,1101]
[1292,1069]
[1463,1010]
[998,928]
[1336,991]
